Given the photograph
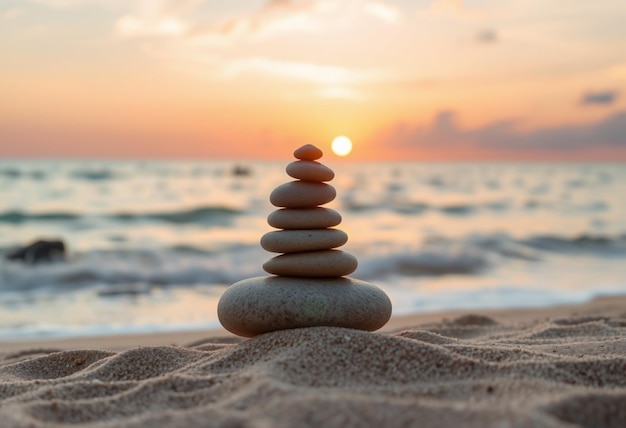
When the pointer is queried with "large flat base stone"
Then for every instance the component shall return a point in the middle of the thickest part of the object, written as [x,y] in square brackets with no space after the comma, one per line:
[263,304]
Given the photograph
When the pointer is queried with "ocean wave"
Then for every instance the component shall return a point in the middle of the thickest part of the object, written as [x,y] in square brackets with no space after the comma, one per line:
[136,271]
[453,209]
[532,248]
[194,215]
[16,216]
[114,272]
[10,173]
[458,209]
[429,260]
[582,242]
[564,206]
[468,208]
[473,254]
[14,173]
[190,249]
[206,214]
[131,272]
[93,174]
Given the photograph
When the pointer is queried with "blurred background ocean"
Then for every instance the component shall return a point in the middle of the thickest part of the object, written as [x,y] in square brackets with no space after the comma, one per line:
[151,245]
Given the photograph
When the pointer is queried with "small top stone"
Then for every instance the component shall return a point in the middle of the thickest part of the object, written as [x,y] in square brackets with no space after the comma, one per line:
[310,171]
[308,152]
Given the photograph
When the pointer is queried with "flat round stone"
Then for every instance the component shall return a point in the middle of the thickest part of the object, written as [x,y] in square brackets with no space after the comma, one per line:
[304,218]
[310,171]
[308,152]
[315,264]
[293,241]
[263,304]
[302,194]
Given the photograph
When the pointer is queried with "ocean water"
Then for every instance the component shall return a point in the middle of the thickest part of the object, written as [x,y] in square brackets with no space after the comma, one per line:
[152,245]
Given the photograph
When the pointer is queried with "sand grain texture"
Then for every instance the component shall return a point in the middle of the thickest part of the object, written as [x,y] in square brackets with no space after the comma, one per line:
[469,371]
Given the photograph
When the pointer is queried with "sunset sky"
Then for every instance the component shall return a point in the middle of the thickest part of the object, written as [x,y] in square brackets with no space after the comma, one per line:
[420,79]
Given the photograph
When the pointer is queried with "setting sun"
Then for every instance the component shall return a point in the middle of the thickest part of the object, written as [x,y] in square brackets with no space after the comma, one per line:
[342,146]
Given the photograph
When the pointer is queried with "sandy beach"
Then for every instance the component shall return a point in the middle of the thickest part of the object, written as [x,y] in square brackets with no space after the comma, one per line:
[562,366]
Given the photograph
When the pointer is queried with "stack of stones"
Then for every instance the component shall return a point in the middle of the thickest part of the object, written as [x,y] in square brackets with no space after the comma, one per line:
[309,287]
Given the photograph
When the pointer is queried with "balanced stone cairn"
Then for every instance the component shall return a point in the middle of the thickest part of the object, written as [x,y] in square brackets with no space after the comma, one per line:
[309,288]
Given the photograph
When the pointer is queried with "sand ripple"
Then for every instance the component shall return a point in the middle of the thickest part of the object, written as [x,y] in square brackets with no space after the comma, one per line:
[469,372]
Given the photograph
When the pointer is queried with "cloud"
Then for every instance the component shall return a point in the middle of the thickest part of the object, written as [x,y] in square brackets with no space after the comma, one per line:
[487,36]
[455,8]
[156,18]
[383,11]
[190,19]
[600,97]
[296,70]
[70,4]
[59,4]
[444,131]
[12,14]
[133,26]
[303,71]
[275,16]
[340,93]
[165,18]
[227,49]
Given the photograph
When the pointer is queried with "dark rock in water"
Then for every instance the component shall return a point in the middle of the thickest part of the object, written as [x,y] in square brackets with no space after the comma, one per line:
[241,171]
[39,251]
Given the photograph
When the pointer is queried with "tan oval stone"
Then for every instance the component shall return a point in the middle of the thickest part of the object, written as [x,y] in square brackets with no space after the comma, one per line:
[304,218]
[310,171]
[315,264]
[302,194]
[293,241]
[308,152]
[260,305]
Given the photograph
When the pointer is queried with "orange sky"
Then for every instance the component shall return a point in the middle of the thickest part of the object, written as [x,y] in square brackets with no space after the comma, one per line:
[439,79]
